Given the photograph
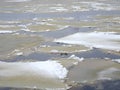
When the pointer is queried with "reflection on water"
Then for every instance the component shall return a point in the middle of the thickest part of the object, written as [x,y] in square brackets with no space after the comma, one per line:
[28,29]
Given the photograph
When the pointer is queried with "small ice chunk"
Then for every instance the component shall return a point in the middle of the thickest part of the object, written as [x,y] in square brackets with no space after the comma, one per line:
[76,58]
[54,51]
[19,53]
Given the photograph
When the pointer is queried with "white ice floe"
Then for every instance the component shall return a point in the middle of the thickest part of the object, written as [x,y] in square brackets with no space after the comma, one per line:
[44,46]
[54,51]
[5,31]
[101,6]
[19,53]
[17,0]
[7,26]
[98,6]
[116,60]
[24,27]
[60,9]
[63,27]
[79,8]
[102,40]
[46,69]
[69,18]
[76,58]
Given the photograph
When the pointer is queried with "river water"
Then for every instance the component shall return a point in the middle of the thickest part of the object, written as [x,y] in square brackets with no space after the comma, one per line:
[53,44]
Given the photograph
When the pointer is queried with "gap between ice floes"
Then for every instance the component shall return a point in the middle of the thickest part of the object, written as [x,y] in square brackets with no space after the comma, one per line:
[48,69]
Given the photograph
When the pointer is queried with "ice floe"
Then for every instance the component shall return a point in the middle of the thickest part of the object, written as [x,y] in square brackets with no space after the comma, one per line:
[17,52]
[116,60]
[76,58]
[98,6]
[94,69]
[104,40]
[6,26]
[5,31]
[17,0]
[108,72]
[60,9]
[48,69]
[54,51]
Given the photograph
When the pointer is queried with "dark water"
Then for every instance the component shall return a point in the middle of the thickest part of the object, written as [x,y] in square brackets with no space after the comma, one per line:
[100,85]
[97,53]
